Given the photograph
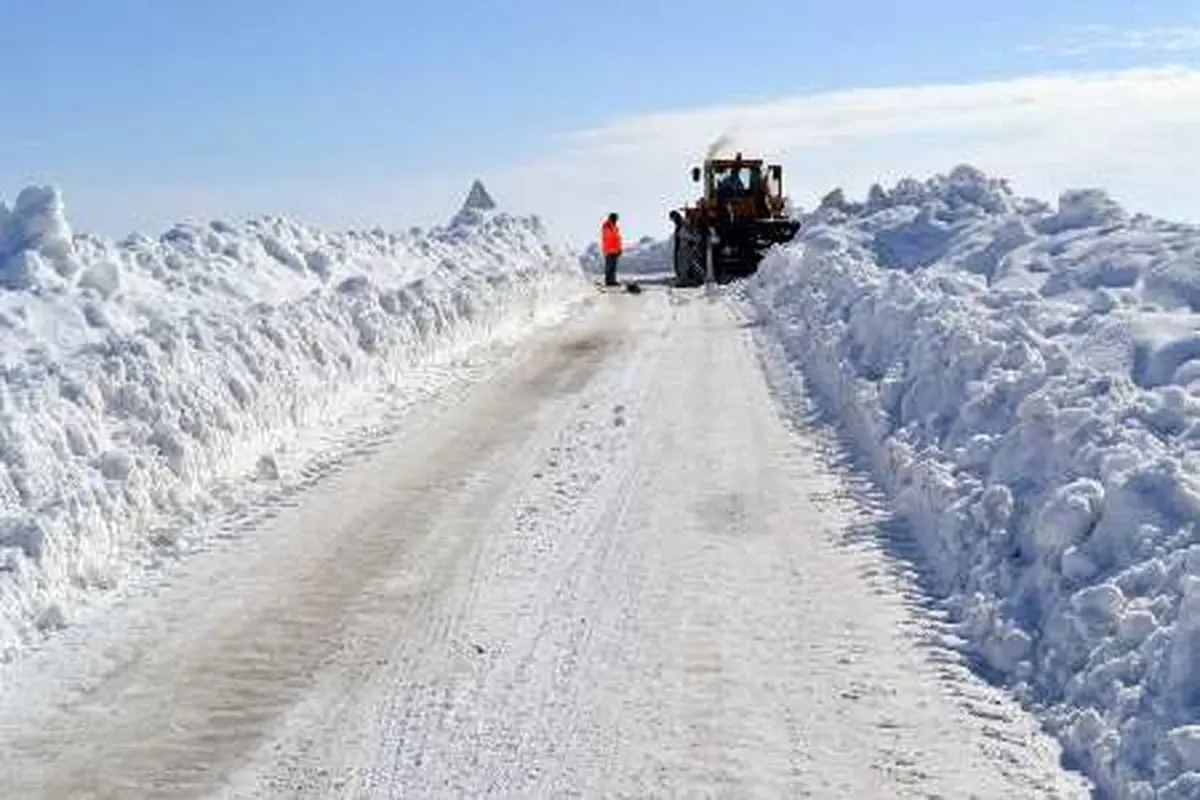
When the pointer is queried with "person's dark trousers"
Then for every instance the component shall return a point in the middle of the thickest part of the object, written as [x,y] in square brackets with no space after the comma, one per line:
[610,269]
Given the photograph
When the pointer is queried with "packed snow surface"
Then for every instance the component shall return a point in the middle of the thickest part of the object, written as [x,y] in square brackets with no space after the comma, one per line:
[563,578]
[142,381]
[1024,378]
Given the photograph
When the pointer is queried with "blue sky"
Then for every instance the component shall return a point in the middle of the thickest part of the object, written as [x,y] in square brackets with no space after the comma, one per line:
[366,111]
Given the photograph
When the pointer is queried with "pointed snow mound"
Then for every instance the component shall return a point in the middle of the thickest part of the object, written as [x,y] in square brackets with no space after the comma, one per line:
[478,198]
[478,206]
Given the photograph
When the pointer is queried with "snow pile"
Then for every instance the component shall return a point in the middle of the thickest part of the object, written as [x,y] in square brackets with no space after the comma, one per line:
[1025,381]
[140,379]
[35,241]
[647,256]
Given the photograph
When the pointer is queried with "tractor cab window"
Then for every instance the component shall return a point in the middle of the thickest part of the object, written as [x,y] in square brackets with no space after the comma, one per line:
[754,180]
[774,185]
[731,182]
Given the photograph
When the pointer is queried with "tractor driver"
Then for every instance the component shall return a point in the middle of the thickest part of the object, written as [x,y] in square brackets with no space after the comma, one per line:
[731,185]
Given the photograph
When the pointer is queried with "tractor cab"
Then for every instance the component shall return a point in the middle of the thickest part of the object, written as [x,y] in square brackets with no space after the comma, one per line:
[745,187]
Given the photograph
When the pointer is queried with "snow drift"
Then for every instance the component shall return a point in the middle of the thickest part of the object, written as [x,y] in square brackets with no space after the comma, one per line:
[139,377]
[1025,381]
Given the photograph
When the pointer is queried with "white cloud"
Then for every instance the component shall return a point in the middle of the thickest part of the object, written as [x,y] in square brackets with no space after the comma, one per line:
[1091,39]
[1131,132]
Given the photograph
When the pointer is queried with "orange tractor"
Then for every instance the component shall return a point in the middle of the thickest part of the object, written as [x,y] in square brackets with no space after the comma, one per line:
[740,216]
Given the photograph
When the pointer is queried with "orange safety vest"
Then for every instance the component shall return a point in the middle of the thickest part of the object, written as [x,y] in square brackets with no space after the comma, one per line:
[610,239]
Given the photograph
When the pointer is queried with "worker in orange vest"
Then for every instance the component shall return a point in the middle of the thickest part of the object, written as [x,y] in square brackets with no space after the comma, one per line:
[610,245]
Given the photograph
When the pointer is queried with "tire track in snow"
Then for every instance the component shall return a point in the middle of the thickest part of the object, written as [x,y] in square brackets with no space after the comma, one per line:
[539,650]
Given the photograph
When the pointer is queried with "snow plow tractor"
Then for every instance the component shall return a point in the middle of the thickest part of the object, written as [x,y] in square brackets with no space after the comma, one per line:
[739,216]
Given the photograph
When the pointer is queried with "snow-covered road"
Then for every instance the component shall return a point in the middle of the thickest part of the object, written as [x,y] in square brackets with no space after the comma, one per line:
[603,564]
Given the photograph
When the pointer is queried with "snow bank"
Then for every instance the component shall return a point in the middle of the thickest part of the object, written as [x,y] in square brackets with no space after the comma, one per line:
[139,377]
[1025,380]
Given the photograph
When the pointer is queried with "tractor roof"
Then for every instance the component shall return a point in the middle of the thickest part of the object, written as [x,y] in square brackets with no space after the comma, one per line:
[735,162]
